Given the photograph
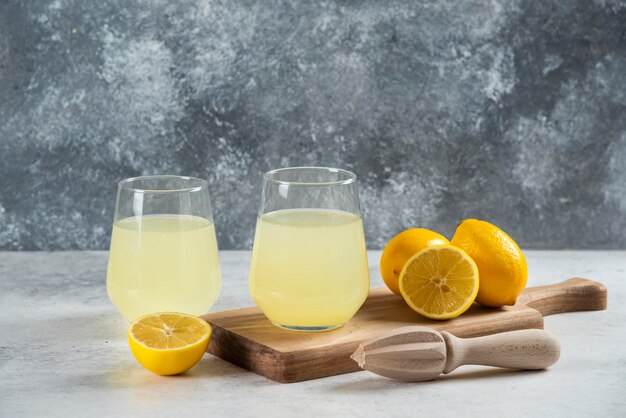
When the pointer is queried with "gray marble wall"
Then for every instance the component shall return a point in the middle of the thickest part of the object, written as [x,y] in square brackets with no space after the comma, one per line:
[510,111]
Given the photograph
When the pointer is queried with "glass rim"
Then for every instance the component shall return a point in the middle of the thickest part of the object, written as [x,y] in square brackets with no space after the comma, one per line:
[351,177]
[126,184]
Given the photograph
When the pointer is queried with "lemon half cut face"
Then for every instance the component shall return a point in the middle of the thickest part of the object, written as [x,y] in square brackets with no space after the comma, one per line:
[169,343]
[439,282]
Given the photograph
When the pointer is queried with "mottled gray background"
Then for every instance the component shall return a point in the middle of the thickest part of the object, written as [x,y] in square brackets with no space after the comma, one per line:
[510,111]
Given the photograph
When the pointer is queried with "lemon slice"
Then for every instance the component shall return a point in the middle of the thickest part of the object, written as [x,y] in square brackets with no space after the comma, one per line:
[439,282]
[169,343]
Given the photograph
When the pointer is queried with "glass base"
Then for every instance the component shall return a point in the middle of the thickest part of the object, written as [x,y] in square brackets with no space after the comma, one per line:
[308,329]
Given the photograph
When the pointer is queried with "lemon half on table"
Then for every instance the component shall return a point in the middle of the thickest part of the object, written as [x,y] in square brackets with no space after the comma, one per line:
[169,343]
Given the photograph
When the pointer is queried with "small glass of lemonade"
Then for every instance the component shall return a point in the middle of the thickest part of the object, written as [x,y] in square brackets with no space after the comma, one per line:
[309,268]
[163,248]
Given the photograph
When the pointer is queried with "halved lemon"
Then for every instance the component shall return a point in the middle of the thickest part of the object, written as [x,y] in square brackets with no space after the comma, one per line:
[169,343]
[439,282]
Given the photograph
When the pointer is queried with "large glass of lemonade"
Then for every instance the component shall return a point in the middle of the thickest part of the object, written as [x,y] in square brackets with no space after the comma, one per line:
[309,268]
[164,254]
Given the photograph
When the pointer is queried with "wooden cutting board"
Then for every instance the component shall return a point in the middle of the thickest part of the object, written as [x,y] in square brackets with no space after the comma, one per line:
[246,338]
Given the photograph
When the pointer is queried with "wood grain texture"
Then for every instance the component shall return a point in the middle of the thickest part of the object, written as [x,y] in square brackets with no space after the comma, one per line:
[527,349]
[573,295]
[246,338]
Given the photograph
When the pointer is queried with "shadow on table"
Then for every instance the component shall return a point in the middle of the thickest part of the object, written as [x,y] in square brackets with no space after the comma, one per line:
[128,373]
[211,367]
[372,383]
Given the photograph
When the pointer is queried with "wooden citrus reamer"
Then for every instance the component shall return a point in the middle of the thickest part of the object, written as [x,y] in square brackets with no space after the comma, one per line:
[417,354]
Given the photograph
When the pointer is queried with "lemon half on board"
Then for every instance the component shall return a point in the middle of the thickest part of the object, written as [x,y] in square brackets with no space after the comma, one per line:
[169,343]
[439,282]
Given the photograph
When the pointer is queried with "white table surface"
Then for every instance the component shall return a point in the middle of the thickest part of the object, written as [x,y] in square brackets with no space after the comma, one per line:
[63,352]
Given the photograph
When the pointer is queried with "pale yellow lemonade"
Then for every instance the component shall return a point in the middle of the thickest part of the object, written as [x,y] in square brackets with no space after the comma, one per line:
[163,263]
[309,267]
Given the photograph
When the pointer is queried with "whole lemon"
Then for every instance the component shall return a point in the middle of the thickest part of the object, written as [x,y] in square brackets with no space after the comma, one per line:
[402,247]
[501,263]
